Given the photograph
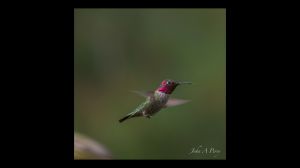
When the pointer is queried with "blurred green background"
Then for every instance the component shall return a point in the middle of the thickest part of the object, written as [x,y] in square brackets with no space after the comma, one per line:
[118,50]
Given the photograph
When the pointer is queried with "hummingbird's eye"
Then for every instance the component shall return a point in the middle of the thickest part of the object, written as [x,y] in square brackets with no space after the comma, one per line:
[168,82]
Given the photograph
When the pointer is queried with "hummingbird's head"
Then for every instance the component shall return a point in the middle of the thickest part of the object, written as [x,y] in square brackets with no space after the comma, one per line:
[167,86]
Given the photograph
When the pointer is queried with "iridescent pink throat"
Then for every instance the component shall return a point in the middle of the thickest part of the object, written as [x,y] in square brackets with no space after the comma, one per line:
[167,89]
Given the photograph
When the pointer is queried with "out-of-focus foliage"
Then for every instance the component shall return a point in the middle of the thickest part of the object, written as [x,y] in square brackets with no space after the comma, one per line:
[86,148]
[118,50]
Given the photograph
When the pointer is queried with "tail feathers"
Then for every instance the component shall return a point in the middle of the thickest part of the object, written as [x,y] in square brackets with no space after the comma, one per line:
[125,118]
[130,115]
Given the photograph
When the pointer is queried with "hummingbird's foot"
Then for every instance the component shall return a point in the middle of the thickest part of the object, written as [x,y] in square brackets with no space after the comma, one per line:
[148,116]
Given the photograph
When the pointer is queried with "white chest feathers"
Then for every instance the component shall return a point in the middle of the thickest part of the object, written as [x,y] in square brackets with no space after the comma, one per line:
[161,97]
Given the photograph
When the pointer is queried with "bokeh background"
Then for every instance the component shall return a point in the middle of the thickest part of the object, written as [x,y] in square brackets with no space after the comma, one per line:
[118,50]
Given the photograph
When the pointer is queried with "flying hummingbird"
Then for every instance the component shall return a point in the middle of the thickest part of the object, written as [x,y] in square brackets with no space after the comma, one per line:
[156,100]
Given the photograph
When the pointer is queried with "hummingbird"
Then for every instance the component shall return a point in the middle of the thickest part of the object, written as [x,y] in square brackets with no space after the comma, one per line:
[156,100]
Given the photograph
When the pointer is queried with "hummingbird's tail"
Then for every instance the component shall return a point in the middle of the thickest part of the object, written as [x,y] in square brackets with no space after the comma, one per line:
[135,113]
[125,118]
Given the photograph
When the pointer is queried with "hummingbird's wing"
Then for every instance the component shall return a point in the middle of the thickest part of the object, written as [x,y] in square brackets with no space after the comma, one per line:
[143,94]
[175,102]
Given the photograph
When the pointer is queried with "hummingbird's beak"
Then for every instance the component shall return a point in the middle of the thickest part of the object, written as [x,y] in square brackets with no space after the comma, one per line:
[180,83]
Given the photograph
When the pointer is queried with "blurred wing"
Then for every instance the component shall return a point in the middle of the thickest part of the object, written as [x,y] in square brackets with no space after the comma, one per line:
[143,94]
[175,102]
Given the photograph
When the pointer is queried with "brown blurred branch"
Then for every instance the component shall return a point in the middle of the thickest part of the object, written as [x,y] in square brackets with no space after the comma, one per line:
[86,148]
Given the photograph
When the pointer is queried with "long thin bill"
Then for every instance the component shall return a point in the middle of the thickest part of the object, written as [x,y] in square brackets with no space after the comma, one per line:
[180,83]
